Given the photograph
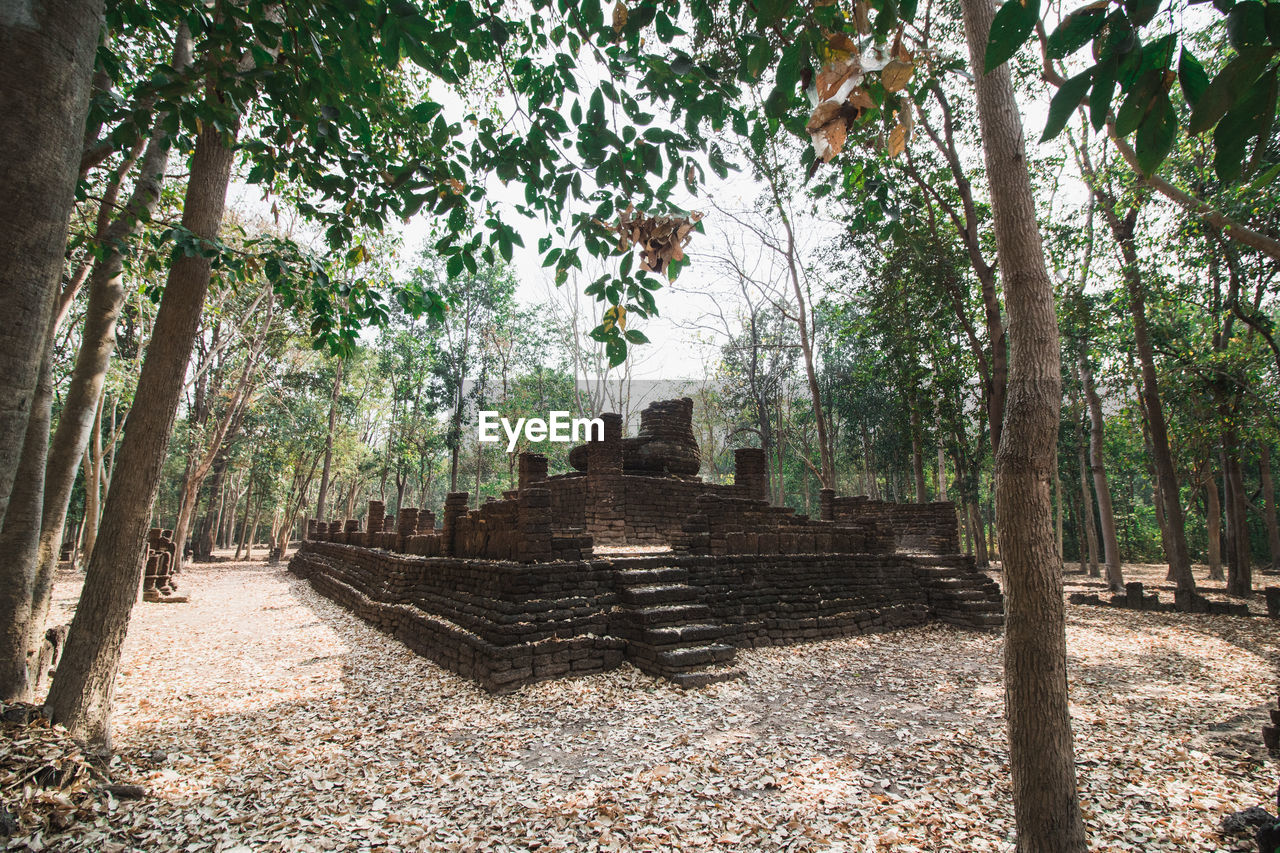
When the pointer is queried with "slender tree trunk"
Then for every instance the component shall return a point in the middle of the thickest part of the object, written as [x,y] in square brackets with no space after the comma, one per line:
[48,48]
[1178,556]
[1106,516]
[1269,503]
[1046,805]
[1239,553]
[328,442]
[981,556]
[93,485]
[81,694]
[942,474]
[244,520]
[917,458]
[966,524]
[1086,500]
[1213,510]
[253,530]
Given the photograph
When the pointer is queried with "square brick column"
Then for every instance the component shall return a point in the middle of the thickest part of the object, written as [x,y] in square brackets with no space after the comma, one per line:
[534,523]
[827,504]
[377,511]
[533,470]
[604,512]
[455,505]
[751,472]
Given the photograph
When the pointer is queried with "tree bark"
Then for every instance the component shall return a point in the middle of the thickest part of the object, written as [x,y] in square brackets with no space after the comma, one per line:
[1213,509]
[20,539]
[1177,554]
[1046,805]
[82,691]
[1086,501]
[1239,553]
[81,405]
[1097,464]
[48,48]
[1269,503]
[328,442]
[917,458]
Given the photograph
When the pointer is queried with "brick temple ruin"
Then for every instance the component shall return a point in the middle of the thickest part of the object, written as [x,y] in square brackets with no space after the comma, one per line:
[525,588]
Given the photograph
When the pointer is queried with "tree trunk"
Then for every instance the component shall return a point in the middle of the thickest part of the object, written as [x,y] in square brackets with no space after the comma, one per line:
[1106,516]
[244,519]
[1057,502]
[1269,503]
[1239,553]
[981,557]
[253,531]
[328,442]
[81,694]
[82,403]
[1171,499]
[1046,806]
[20,540]
[1213,510]
[93,485]
[917,458]
[48,48]
[1086,500]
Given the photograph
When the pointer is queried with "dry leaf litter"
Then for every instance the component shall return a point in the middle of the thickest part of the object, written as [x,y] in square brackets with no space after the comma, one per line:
[262,717]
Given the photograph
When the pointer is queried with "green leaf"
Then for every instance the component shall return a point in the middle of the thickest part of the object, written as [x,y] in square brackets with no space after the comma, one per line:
[1156,134]
[1013,23]
[1065,102]
[1139,102]
[1247,25]
[1077,30]
[1141,11]
[1192,77]
[1226,89]
[636,336]
[1104,87]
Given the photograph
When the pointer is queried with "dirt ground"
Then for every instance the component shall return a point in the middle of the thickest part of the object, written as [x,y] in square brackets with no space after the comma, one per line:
[263,717]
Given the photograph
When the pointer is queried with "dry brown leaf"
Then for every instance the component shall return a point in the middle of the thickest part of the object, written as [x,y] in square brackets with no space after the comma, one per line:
[861,99]
[897,140]
[835,133]
[619,17]
[842,42]
[823,113]
[896,75]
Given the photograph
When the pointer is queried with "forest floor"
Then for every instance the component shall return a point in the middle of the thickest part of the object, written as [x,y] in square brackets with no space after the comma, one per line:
[263,717]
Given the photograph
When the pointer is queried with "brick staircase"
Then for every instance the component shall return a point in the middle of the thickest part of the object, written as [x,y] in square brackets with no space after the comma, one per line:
[669,632]
[959,594]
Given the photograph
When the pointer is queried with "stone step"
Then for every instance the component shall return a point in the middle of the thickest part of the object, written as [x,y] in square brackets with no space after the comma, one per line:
[703,677]
[642,577]
[687,658]
[677,635]
[669,614]
[657,594]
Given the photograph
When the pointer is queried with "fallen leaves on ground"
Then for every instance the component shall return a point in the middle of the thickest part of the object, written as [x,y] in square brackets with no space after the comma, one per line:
[263,717]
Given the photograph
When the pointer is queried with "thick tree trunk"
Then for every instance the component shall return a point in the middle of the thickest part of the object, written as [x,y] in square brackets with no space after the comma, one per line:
[328,442]
[1057,503]
[20,539]
[1269,503]
[48,48]
[1046,805]
[81,694]
[1213,509]
[81,405]
[1106,516]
